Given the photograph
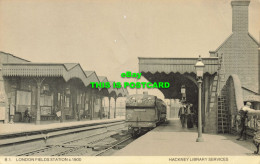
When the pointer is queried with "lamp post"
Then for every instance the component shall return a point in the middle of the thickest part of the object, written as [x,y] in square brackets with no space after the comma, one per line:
[199,66]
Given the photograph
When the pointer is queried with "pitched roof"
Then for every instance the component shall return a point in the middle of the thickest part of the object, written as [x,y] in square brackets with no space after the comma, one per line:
[11,55]
[65,70]
[258,43]
[70,65]
[88,73]
[102,78]
[223,43]
[230,37]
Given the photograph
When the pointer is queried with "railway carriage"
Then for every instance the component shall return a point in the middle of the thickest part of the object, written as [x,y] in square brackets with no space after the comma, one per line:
[144,112]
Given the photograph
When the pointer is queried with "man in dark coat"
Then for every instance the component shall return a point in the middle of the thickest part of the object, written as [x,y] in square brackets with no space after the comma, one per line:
[189,116]
[181,115]
[27,116]
[243,117]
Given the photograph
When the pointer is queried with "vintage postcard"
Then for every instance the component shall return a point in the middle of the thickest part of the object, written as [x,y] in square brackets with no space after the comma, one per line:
[129,81]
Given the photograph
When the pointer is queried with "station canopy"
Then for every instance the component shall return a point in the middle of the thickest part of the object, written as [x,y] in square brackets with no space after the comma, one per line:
[178,72]
[66,71]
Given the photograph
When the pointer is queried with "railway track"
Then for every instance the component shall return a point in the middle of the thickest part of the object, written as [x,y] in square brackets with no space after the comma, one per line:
[87,146]
[113,146]
[6,139]
[80,144]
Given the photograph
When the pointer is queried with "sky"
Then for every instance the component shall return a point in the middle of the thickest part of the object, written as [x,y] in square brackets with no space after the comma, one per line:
[108,36]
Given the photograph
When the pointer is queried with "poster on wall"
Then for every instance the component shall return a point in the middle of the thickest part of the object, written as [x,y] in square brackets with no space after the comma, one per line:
[46,100]
[23,100]
[45,110]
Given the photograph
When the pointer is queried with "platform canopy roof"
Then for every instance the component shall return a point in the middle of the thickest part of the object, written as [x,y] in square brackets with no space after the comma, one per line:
[176,65]
[65,70]
[178,72]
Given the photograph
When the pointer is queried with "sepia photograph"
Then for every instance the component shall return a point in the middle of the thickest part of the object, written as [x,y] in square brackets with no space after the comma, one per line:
[129,81]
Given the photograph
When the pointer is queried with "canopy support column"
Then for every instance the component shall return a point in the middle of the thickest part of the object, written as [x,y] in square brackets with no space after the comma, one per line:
[109,98]
[38,85]
[101,111]
[115,108]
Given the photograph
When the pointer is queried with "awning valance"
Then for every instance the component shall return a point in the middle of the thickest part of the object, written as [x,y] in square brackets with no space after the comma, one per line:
[181,65]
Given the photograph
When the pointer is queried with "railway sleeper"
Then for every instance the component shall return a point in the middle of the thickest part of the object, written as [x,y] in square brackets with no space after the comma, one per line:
[108,142]
[75,146]
[68,146]
[101,147]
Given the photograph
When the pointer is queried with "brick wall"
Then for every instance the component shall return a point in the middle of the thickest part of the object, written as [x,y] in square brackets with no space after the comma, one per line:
[240,50]
[240,56]
[240,18]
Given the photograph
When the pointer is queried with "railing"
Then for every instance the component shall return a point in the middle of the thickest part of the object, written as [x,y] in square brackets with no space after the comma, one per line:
[251,124]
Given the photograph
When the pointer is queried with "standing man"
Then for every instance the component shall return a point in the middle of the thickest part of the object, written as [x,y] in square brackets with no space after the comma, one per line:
[243,116]
[12,112]
[256,139]
[181,115]
[189,116]
[255,114]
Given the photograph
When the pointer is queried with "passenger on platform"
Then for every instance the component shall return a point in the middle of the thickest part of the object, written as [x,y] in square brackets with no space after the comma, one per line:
[255,114]
[192,114]
[58,114]
[181,115]
[189,116]
[243,120]
[56,109]
[27,116]
[84,116]
[256,139]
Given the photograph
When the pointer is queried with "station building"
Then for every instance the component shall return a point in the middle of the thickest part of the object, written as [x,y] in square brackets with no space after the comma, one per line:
[47,88]
[231,75]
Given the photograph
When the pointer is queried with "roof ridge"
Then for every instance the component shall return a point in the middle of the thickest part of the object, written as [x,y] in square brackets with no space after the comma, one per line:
[223,43]
[14,56]
[251,36]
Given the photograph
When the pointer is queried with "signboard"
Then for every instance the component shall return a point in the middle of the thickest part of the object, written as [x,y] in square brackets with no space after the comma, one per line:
[46,110]
[23,98]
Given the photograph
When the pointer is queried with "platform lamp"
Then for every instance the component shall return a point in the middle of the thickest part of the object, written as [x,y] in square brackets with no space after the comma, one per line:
[199,66]
[183,92]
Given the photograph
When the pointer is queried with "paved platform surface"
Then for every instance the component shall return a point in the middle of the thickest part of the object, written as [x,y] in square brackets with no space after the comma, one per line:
[29,127]
[173,140]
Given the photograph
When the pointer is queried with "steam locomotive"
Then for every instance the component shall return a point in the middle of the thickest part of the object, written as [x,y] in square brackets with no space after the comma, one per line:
[144,112]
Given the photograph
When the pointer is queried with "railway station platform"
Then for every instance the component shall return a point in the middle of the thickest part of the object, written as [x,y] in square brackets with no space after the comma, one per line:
[173,140]
[16,128]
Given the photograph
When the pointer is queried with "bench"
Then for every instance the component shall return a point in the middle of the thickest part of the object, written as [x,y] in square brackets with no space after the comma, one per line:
[48,117]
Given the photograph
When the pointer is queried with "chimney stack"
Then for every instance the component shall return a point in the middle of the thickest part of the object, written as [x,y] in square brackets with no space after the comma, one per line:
[240,16]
